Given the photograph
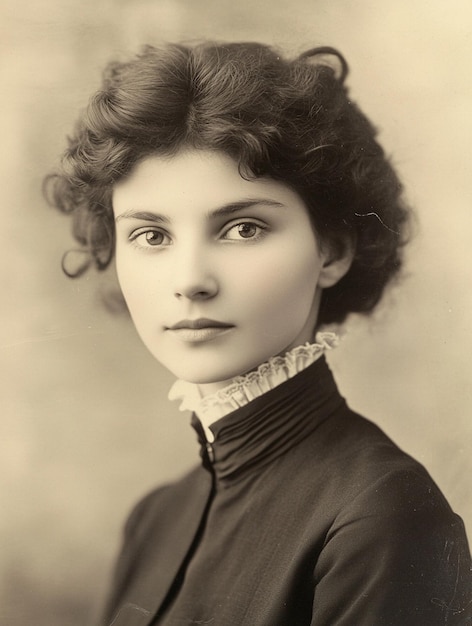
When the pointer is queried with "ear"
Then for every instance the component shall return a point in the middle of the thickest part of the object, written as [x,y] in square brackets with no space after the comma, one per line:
[337,258]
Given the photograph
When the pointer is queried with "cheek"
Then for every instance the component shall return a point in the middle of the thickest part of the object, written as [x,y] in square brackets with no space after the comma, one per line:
[128,280]
[274,286]
[138,285]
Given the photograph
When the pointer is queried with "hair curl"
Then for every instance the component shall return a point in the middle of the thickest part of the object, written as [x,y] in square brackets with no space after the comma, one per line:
[291,120]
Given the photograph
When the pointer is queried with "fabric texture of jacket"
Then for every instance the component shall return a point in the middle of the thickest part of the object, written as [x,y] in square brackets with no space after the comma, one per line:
[307,514]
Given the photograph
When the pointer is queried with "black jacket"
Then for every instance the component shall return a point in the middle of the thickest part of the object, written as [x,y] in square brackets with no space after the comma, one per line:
[308,515]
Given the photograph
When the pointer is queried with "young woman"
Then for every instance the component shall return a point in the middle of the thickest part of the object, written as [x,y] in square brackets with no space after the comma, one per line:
[249,204]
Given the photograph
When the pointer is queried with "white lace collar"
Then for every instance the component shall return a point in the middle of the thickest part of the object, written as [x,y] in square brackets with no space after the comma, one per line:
[242,389]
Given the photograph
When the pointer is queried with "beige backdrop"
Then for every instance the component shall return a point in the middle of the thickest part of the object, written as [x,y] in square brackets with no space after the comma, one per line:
[86,427]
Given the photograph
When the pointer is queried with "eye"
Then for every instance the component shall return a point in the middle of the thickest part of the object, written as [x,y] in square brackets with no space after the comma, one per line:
[245,230]
[150,238]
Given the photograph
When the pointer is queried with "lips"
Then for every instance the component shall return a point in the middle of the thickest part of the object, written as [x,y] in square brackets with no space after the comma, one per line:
[200,330]
[199,324]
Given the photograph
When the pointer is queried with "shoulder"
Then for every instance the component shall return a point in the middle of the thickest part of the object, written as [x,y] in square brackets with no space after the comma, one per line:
[160,501]
[352,475]
[391,532]
[366,467]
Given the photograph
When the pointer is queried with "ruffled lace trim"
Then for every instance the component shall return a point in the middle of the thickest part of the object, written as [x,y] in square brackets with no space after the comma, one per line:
[247,387]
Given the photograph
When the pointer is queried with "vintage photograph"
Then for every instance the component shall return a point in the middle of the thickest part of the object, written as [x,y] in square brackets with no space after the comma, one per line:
[236,347]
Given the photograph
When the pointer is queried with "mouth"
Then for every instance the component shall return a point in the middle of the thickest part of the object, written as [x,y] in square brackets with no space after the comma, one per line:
[203,322]
[199,330]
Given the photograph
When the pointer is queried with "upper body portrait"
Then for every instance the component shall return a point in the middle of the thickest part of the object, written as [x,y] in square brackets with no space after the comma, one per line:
[250,209]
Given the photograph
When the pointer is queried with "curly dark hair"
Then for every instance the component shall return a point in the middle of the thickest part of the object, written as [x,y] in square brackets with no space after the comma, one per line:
[291,120]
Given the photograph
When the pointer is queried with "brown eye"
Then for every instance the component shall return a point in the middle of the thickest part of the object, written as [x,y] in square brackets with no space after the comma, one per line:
[149,238]
[247,230]
[154,237]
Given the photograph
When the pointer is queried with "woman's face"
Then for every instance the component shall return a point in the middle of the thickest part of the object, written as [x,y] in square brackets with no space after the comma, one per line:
[219,273]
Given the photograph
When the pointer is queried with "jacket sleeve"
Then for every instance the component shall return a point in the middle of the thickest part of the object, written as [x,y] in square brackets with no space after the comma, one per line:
[396,556]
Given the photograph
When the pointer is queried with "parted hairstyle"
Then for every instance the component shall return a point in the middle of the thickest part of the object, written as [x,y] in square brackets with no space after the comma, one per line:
[291,120]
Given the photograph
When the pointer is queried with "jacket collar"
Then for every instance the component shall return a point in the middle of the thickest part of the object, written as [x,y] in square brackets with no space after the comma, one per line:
[253,436]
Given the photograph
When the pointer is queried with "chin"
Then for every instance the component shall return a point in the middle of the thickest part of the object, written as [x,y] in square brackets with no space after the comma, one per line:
[203,365]
[203,378]
[200,374]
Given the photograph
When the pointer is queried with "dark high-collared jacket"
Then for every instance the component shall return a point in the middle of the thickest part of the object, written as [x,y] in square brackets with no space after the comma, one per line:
[301,513]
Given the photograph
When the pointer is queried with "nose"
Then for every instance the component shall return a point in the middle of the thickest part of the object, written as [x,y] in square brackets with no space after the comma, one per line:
[197,292]
[193,279]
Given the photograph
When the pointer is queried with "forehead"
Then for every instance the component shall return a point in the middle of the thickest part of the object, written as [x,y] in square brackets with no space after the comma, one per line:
[196,179]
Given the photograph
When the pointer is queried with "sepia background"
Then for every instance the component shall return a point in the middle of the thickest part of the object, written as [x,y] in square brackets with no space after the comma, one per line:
[86,428]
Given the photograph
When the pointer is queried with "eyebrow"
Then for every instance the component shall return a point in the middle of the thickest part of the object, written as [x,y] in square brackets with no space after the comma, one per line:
[225,210]
[234,207]
[147,216]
